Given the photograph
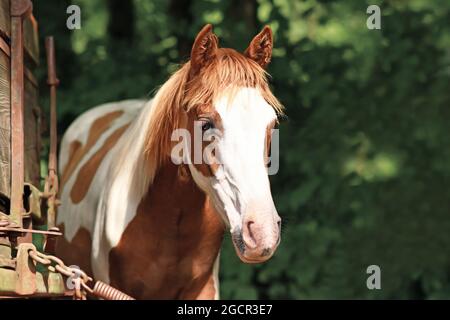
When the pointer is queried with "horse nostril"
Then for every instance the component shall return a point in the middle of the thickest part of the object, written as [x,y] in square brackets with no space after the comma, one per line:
[248,235]
[279,224]
[266,252]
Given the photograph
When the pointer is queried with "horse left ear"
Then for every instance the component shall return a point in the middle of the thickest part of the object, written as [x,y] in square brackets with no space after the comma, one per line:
[204,49]
[260,48]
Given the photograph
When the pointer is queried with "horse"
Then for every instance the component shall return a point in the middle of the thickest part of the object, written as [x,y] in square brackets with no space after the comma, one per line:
[135,218]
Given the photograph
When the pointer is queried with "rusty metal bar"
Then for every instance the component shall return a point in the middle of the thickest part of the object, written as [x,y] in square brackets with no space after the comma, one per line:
[53,82]
[22,230]
[52,183]
[20,9]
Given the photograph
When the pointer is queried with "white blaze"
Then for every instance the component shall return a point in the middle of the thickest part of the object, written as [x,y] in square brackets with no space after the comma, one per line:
[242,181]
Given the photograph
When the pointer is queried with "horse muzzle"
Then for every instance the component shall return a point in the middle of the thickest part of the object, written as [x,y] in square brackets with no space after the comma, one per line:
[254,243]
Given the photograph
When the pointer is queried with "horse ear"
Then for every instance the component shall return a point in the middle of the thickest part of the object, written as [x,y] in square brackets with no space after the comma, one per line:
[260,48]
[204,49]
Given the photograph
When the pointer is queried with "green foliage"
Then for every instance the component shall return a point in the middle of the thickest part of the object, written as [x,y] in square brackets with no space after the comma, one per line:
[365,155]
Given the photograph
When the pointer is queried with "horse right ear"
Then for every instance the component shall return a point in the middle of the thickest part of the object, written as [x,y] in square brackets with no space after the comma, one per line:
[260,49]
[204,49]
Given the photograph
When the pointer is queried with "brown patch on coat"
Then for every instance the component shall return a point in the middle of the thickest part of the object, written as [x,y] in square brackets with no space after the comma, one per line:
[76,252]
[77,151]
[169,248]
[87,172]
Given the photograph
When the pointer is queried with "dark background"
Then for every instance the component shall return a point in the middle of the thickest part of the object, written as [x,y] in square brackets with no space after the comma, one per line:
[365,155]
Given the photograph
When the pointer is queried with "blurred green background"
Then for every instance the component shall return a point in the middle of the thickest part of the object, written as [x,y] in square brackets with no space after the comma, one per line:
[365,155]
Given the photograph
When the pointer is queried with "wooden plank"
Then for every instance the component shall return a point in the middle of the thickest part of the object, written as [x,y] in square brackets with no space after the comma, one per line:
[4,91]
[5,47]
[30,76]
[5,19]
[30,27]
[32,132]
[17,111]
[5,124]
[31,39]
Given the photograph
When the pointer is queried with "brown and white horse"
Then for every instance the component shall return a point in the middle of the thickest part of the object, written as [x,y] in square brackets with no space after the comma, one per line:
[150,227]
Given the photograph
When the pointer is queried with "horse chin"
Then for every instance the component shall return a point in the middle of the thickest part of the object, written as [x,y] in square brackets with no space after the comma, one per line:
[247,260]
[251,261]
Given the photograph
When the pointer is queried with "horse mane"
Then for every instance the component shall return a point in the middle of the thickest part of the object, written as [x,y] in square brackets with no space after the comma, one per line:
[228,72]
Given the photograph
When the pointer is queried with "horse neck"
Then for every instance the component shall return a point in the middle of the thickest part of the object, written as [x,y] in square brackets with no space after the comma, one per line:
[180,215]
[178,236]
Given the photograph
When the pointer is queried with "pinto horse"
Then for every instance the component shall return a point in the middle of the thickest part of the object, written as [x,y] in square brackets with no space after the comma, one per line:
[151,227]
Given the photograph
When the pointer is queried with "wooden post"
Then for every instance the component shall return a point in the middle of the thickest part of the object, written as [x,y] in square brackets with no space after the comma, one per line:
[20,9]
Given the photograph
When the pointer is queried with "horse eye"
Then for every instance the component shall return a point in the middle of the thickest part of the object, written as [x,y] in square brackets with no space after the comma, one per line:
[207,125]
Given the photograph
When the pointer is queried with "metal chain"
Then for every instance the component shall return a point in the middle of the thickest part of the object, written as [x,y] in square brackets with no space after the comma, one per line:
[79,278]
